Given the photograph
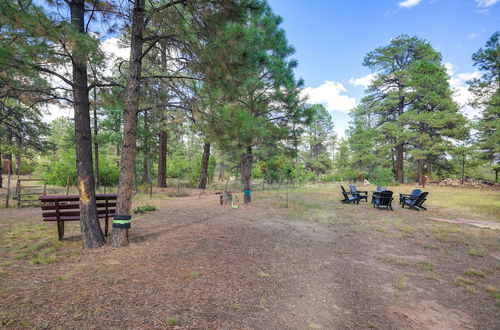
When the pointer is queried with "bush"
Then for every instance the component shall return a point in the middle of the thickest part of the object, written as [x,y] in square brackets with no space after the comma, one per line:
[57,169]
[144,209]
[381,176]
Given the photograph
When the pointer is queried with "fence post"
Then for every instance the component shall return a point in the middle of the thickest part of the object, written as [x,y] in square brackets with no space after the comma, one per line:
[7,196]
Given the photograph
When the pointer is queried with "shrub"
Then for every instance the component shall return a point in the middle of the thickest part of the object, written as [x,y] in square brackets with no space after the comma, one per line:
[144,209]
[381,176]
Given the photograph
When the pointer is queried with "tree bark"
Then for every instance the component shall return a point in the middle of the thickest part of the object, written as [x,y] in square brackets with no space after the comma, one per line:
[399,163]
[1,172]
[246,173]
[222,168]
[96,145]
[162,158]
[129,148]
[89,221]
[204,166]
[421,178]
[146,177]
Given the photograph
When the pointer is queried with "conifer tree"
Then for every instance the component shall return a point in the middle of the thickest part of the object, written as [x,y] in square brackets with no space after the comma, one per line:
[391,91]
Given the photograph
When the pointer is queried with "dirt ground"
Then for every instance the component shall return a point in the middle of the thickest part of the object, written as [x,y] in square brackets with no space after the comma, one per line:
[194,264]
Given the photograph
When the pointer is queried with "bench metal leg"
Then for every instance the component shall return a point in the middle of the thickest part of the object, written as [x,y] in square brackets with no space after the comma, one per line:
[60,229]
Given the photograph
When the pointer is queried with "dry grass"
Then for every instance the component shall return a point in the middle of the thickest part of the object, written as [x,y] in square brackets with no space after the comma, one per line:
[400,250]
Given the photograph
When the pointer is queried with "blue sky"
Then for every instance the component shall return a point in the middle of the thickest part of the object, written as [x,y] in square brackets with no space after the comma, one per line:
[332,37]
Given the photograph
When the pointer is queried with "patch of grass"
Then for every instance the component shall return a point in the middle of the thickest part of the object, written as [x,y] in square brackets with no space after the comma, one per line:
[493,291]
[194,275]
[6,291]
[172,321]
[401,283]
[234,306]
[43,260]
[262,274]
[470,289]
[426,265]
[431,276]
[145,208]
[394,260]
[373,325]
[474,272]
[478,252]
[462,281]
[5,264]
[314,326]
[430,247]
[64,277]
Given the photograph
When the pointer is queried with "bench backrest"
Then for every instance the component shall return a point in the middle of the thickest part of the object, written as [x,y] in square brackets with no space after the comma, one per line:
[67,207]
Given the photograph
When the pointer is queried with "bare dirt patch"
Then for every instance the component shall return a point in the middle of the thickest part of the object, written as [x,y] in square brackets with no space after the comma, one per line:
[196,264]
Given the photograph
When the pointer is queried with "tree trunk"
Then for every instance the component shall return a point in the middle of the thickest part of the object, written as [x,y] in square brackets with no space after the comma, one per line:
[129,148]
[222,168]
[399,163]
[89,221]
[246,173]
[162,159]
[1,179]
[146,177]
[96,145]
[496,175]
[421,179]
[463,168]
[204,166]
[117,149]
[7,161]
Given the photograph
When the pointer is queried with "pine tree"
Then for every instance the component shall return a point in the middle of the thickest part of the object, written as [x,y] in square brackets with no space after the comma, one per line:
[486,90]
[391,91]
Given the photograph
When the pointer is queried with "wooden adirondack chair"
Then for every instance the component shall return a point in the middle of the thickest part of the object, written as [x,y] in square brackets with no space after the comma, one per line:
[414,194]
[361,193]
[416,203]
[349,199]
[383,200]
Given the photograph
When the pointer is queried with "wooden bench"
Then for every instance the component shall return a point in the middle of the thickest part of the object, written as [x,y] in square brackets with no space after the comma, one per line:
[67,208]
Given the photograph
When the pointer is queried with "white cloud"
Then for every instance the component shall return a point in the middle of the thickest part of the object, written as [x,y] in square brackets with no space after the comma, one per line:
[330,95]
[411,3]
[474,35]
[364,81]
[111,48]
[450,68]
[461,93]
[486,3]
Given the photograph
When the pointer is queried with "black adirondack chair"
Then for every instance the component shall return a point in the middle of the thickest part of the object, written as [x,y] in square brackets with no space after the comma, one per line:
[416,203]
[414,194]
[383,200]
[361,193]
[349,199]
[377,193]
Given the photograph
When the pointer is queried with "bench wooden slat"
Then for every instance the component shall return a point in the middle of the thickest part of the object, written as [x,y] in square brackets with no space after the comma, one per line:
[74,213]
[75,206]
[71,198]
[74,217]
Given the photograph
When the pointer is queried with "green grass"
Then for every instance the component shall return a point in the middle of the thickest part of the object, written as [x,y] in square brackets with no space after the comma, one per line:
[194,275]
[35,244]
[401,283]
[64,277]
[474,272]
[478,252]
[462,281]
[145,208]
[172,321]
